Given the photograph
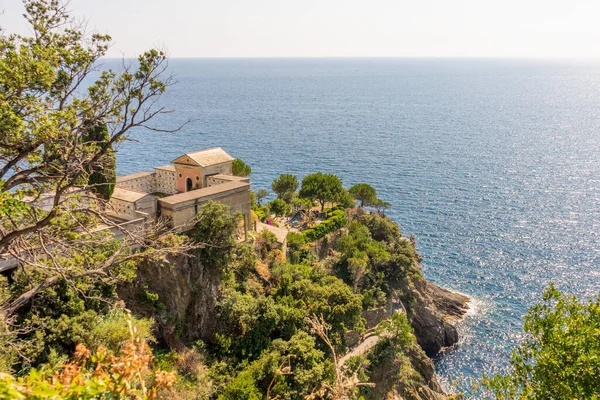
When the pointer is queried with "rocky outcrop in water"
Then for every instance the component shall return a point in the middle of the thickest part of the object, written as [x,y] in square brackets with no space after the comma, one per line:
[435,313]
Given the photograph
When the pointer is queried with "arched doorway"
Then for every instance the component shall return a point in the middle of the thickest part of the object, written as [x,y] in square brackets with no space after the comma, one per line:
[188,184]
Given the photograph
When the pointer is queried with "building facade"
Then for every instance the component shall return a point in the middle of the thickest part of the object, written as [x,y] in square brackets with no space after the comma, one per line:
[177,191]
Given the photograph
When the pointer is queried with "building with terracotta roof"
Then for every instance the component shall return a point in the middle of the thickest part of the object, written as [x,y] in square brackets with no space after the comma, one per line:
[177,191]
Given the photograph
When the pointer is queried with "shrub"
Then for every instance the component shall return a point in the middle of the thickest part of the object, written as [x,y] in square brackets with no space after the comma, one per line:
[215,226]
[336,221]
[297,246]
[559,357]
[112,330]
[279,207]
[93,375]
[243,387]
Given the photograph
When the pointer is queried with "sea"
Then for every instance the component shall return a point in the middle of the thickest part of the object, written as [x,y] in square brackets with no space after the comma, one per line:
[492,164]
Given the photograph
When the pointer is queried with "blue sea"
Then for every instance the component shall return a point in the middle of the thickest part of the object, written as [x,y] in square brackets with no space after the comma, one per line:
[493,164]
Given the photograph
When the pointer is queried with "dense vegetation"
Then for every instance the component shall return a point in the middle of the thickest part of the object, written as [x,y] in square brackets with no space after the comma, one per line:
[266,345]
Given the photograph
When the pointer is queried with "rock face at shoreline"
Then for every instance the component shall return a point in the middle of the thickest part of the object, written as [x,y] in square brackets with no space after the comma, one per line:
[435,314]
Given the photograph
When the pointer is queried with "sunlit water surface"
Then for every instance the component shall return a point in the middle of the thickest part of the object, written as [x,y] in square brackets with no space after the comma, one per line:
[494,165]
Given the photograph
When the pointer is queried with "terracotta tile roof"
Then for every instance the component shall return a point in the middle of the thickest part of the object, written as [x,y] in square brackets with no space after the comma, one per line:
[207,157]
[204,192]
[128,195]
[129,177]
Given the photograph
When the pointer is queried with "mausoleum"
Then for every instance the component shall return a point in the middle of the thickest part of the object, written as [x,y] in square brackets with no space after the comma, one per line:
[177,191]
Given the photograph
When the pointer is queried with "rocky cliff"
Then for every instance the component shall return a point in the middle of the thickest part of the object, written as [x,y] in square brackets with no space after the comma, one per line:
[434,314]
[412,378]
[181,297]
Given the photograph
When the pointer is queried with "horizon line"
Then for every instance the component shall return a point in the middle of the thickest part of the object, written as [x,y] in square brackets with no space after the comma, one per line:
[573,58]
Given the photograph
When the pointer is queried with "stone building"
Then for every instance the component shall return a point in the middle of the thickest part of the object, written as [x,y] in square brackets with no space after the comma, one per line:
[177,191]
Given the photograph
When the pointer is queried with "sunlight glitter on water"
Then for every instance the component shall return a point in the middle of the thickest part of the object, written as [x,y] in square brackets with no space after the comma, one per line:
[492,164]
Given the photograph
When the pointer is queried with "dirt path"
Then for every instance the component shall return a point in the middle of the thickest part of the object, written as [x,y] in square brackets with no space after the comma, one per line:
[369,342]
[364,347]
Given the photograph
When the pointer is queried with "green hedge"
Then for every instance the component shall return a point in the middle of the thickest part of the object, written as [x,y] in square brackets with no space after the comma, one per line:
[331,224]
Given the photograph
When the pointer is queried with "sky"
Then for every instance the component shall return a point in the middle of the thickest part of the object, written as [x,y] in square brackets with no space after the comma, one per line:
[339,28]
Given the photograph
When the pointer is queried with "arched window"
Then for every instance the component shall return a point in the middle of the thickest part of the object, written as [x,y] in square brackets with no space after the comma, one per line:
[188,184]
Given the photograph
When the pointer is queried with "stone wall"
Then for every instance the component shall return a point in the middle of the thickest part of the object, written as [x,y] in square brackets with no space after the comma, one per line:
[236,202]
[147,205]
[121,209]
[166,181]
[223,168]
[146,184]
[181,214]
[212,181]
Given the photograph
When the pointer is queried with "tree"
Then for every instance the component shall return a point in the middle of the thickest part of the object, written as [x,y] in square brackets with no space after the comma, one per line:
[215,227]
[279,207]
[559,359]
[346,200]
[261,194]
[240,168]
[48,102]
[381,205]
[364,193]
[102,180]
[322,188]
[285,186]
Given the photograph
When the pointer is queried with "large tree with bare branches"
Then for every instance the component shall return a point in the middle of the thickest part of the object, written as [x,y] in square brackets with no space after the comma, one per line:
[52,93]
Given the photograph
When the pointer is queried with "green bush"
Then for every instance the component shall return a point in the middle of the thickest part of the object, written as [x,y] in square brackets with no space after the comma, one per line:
[112,330]
[240,168]
[559,357]
[297,247]
[243,387]
[336,221]
[279,207]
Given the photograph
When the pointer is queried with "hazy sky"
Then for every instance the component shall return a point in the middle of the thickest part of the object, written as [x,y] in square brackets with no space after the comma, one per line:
[394,28]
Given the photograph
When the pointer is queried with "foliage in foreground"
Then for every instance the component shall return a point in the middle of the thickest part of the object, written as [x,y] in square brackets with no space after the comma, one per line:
[61,113]
[93,375]
[560,359]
